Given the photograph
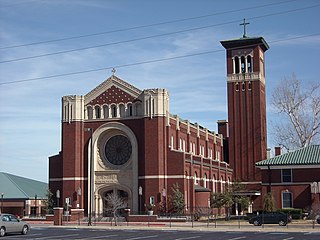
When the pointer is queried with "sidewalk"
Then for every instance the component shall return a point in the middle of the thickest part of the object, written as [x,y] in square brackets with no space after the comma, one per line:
[227,226]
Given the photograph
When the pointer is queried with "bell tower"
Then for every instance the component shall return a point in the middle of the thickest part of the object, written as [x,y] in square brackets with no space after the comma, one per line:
[246,105]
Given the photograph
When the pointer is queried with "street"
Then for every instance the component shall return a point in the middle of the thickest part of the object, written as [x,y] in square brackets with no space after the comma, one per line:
[56,233]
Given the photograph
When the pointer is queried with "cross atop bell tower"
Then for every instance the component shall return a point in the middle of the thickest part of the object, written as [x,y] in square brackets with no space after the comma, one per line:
[247,141]
[244,24]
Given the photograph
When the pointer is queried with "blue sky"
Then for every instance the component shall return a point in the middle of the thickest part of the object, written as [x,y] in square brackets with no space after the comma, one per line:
[30,114]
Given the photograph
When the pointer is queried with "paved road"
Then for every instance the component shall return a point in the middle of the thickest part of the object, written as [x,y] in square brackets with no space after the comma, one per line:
[50,233]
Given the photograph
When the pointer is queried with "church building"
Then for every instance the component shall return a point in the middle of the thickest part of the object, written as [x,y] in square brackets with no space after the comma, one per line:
[118,138]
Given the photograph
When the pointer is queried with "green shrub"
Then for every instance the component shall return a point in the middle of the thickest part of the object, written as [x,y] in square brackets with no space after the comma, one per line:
[296,213]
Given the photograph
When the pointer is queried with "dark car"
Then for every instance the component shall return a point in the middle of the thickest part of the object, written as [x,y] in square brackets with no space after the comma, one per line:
[318,219]
[11,224]
[270,218]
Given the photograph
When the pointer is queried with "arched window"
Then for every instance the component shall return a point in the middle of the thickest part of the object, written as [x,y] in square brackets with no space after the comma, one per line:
[90,112]
[122,110]
[195,178]
[236,62]
[243,64]
[249,62]
[205,180]
[97,112]
[213,184]
[171,141]
[130,110]
[105,111]
[114,111]
[138,109]
[221,185]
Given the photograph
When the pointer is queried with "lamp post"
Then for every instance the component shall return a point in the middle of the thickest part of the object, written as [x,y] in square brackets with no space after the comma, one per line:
[79,194]
[90,176]
[35,204]
[1,201]
[58,197]
[140,196]
[164,194]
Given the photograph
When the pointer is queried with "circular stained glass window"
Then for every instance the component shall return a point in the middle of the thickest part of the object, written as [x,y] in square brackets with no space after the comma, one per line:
[118,150]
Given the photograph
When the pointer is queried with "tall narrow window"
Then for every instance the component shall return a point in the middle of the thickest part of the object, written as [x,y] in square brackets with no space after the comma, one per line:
[114,111]
[213,184]
[138,109]
[90,112]
[236,62]
[98,113]
[243,64]
[122,110]
[105,111]
[195,178]
[287,199]
[249,62]
[171,142]
[130,111]
[221,185]
[205,180]
[249,86]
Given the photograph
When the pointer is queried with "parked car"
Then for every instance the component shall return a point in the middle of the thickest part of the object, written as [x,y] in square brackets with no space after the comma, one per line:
[318,219]
[11,224]
[270,218]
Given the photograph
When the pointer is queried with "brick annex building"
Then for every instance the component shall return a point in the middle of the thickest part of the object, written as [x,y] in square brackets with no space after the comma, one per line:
[118,138]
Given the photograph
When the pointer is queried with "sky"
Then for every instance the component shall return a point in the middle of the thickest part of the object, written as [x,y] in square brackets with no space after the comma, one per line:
[53,48]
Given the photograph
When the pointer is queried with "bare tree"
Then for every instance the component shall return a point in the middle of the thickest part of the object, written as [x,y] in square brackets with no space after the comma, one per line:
[115,203]
[299,108]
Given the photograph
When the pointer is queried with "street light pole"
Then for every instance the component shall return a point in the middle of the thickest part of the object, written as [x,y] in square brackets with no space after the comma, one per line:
[35,204]
[58,197]
[90,176]
[1,201]
[140,195]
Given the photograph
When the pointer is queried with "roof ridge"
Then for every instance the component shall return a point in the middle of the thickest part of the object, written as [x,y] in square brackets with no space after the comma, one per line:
[8,175]
[115,79]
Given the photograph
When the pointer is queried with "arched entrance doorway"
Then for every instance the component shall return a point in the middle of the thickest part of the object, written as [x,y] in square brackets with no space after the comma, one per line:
[115,165]
[120,196]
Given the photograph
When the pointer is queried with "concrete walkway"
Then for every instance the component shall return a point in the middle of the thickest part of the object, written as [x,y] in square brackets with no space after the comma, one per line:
[234,226]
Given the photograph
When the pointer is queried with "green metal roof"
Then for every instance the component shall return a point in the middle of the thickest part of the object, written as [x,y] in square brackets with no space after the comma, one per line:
[309,155]
[15,187]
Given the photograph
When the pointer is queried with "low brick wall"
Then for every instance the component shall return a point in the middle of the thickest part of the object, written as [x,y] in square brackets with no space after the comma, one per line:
[142,218]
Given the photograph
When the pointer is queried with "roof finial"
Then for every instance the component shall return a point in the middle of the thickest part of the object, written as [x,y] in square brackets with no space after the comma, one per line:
[244,27]
[113,71]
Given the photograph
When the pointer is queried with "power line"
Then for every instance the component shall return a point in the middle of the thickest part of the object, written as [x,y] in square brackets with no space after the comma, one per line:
[141,63]
[19,3]
[145,26]
[152,36]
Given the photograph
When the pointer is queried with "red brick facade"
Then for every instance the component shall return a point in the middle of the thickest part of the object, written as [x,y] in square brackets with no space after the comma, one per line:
[165,150]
